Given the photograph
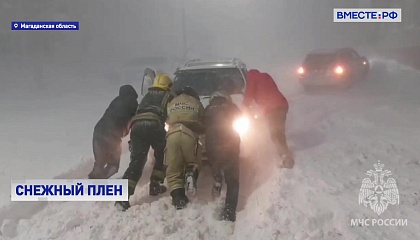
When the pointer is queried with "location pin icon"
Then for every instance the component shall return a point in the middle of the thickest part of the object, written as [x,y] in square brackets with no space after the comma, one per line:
[15,25]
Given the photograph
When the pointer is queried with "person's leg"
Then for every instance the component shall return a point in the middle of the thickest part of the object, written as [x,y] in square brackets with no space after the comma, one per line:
[138,157]
[114,150]
[107,153]
[191,150]
[175,170]
[277,126]
[158,174]
[231,172]
[100,160]
[214,160]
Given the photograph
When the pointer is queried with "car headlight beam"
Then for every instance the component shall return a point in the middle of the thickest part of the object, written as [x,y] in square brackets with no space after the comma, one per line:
[241,125]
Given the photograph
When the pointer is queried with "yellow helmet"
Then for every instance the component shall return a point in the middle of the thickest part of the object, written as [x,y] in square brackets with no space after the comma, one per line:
[162,81]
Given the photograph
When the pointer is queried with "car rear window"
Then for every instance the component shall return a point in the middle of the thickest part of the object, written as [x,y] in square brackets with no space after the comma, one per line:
[206,81]
[318,60]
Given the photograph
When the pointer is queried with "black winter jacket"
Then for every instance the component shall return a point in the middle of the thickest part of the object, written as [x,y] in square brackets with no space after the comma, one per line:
[220,115]
[155,101]
[113,124]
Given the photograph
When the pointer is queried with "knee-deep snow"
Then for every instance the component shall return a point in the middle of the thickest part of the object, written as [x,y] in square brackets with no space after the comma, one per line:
[336,137]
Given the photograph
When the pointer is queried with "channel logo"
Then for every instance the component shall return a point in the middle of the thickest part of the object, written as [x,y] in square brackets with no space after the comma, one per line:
[367,15]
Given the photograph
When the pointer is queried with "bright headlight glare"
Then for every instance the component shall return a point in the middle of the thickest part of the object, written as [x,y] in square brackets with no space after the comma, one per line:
[241,125]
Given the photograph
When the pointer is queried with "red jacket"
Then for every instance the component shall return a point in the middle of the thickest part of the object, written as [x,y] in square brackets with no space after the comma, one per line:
[262,89]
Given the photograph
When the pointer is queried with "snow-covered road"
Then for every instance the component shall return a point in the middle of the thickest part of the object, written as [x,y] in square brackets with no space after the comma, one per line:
[336,138]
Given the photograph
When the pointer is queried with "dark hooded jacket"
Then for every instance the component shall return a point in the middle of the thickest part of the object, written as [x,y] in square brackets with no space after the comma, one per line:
[220,115]
[114,123]
[262,89]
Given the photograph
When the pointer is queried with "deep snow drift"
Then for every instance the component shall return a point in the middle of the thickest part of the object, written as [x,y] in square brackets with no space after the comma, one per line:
[336,138]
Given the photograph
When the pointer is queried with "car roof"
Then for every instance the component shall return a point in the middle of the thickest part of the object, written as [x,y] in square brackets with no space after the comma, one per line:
[209,64]
[329,50]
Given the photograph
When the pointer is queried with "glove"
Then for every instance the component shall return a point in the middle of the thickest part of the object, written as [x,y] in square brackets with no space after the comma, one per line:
[96,173]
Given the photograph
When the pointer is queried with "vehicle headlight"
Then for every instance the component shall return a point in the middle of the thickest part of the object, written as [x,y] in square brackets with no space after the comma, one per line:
[241,125]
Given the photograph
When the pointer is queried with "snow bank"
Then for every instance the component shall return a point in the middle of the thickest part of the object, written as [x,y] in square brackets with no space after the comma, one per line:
[48,135]
[334,146]
[156,220]
[409,56]
[336,138]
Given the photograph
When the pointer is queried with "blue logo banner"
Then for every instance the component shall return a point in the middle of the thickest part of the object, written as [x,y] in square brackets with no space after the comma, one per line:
[367,15]
[45,26]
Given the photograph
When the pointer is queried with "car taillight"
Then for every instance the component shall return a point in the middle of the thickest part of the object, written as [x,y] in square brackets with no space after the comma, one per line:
[301,70]
[339,70]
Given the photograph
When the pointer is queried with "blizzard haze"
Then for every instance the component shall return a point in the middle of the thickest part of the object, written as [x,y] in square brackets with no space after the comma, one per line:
[111,33]
[55,86]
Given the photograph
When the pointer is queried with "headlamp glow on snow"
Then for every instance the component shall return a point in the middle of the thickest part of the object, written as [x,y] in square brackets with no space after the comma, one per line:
[241,125]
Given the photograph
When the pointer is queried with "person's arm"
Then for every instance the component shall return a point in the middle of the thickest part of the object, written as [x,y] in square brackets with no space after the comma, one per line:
[166,105]
[236,113]
[250,91]
[132,112]
[201,119]
[171,97]
[133,107]
[280,96]
[206,116]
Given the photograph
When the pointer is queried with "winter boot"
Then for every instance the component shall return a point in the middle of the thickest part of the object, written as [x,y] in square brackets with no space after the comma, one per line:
[179,199]
[124,205]
[155,188]
[98,172]
[191,176]
[287,161]
[110,170]
[217,189]
[228,214]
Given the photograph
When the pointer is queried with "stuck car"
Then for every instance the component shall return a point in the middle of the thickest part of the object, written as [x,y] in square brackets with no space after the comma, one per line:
[207,77]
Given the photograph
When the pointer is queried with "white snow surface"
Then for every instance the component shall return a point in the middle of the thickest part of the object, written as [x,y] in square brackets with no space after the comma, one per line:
[335,136]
